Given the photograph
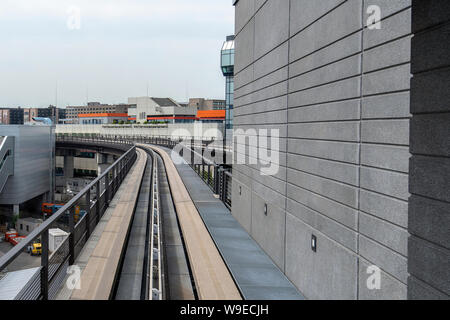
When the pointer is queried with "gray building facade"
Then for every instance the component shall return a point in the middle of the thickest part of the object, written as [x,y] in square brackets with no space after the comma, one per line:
[33,154]
[338,90]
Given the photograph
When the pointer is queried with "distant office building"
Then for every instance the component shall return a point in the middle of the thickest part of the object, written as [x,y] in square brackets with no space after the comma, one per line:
[61,115]
[50,112]
[29,114]
[72,112]
[227,65]
[163,110]
[11,115]
[207,104]
[102,118]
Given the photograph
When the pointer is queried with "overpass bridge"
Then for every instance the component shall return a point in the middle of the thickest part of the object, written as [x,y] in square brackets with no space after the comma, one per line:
[154,229]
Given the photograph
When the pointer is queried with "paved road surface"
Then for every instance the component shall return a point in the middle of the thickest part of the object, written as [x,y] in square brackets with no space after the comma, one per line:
[23,261]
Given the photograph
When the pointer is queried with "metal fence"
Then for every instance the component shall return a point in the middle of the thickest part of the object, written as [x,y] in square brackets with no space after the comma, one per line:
[54,264]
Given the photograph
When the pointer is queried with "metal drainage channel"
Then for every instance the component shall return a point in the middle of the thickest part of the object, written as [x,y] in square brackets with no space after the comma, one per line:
[155,250]
[178,279]
[156,280]
[141,273]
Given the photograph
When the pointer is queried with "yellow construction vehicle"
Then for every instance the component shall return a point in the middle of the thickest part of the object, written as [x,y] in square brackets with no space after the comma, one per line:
[35,249]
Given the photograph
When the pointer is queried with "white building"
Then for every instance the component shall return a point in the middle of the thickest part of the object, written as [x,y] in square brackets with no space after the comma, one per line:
[160,110]
[27,225]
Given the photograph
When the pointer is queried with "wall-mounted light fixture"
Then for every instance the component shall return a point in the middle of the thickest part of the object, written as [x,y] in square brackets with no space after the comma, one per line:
[314,243]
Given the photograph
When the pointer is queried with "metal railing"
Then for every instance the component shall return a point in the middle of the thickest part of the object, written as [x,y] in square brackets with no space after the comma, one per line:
[93,200]
[217,177]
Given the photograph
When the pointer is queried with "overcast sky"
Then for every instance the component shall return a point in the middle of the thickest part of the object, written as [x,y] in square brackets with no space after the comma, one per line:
[118,48]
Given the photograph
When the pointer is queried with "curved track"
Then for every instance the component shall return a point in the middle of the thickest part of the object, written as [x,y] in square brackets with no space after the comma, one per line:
[154,266]
[155,245]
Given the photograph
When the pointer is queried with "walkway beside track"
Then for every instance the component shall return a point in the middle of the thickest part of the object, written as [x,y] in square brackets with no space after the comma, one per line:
[100,258]
[256,275]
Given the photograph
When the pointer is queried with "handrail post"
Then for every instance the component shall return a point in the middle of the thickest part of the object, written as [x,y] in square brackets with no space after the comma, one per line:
[115,179]
[88,213]
[222,182]
[44,265]
[107,188]
[203,169]
[97,204]
[216,179]
[209,175]
[120,166]
[192,154]
[71,237]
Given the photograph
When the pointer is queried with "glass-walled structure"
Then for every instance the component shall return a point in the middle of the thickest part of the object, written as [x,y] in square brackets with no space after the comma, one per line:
[227,65]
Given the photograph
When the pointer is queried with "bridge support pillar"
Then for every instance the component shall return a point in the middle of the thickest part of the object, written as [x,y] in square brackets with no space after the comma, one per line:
[104,161]
[69,165]
[16,211]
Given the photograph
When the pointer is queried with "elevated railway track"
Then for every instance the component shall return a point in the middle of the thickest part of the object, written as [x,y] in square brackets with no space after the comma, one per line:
[142,238]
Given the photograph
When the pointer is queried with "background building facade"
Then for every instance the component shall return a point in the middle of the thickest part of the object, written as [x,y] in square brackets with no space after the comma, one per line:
[72,112]
[11,116]
[26,115]
[53,113]
[33,156]
[207,104]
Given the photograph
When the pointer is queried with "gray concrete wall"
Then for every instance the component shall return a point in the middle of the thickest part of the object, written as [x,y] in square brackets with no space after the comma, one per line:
[32,163]
[429,211]
[339,94]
